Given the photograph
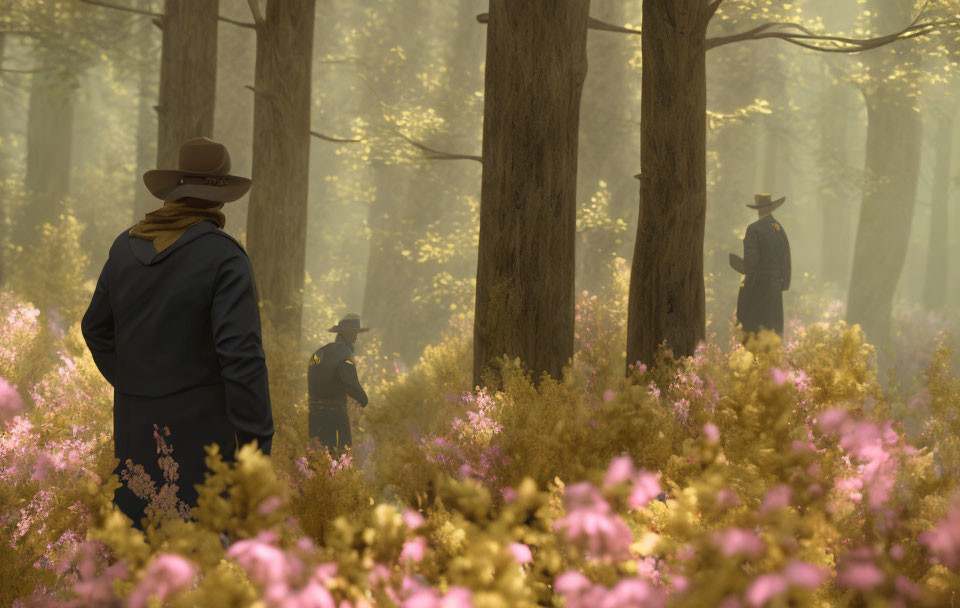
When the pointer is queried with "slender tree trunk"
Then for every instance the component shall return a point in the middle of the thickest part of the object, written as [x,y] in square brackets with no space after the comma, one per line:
[889,197]
[936,285]
[143,201]
[4,197]
[188,76]
[536,65]
[834,160]
[666,283]
[49,142]
[277,215]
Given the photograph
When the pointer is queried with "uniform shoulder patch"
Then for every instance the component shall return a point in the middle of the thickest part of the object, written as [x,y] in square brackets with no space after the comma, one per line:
[348,361]
[775,226]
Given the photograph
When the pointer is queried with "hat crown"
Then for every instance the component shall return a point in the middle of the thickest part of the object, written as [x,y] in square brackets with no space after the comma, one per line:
[763,199]
[204,156]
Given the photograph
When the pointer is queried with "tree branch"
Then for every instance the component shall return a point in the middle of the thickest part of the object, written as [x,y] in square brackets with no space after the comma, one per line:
[593,24]
[334,139]
[118,7]
[157,16]
[15,71]
[713,7]
[433,154]
[255,9]
[806,38]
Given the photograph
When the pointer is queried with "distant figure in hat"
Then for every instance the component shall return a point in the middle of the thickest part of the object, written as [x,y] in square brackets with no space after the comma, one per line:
[331,377]
[766,264]
[174,327]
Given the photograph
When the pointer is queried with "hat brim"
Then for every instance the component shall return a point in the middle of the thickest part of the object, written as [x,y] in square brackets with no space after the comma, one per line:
[769,206]
[339,330]
[165,185]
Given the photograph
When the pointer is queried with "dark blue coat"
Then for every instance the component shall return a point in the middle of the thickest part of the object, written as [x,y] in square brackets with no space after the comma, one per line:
[177,334]
[766,260]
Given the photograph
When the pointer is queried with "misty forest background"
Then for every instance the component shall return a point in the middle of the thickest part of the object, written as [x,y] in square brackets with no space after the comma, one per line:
[362,126]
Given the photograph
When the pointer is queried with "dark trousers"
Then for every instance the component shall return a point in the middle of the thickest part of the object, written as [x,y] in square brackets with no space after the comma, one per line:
[330,425]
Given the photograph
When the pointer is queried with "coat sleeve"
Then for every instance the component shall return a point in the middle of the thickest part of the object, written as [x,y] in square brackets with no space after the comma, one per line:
[236,332]
[347,371]
[785,262]
[97,327]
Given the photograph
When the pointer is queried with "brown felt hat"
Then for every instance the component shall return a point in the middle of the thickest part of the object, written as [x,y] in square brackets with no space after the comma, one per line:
[765,202]
[349,323]
[204,173]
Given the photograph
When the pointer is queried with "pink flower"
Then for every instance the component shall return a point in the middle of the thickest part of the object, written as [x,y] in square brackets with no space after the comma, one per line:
[779,376]
[943,541]
[857,574]
[313,595]
[803,574]
[414,550]
[521,553]
[711,433]
[634,592]
[733,541]
[764,588]
[727,498]
[620,470]
[11,404]
[608,395]
[571,582]
[646,487]
[166,574]
[263,562]
[777,498]
[412,519]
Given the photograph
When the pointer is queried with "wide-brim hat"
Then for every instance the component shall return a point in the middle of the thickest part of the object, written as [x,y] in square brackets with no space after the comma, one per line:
[200,159]
[349,323]
[765,202]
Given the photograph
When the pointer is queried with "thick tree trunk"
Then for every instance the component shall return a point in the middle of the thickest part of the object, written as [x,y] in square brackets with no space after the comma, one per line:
[891,173]
[833,159]
[536,65]
[666,282]
[936,284]
[49,142]
[277,214]
[143,201]
[188,76]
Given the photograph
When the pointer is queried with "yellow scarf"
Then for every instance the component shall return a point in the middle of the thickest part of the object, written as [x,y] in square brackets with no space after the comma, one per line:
[165,225]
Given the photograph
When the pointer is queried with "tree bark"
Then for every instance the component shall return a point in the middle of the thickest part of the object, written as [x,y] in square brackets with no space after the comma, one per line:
[277,213]
[4,172]
[889,197]
[535,69]
[49,143]
[936,284]
[188,76]
[834,159]
[143,201]
[666,281]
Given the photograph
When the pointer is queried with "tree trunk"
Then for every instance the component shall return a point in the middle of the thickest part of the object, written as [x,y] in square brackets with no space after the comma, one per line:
[833,160]
[143,201]
[188,76]
[536,65]
[277,215]
[4,198]
[936,285]
[49,142]
[666,282]
[891,172]
[889,196]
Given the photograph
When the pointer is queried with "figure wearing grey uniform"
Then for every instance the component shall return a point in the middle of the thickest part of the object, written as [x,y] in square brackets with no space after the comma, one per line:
[766,266]
[331,377]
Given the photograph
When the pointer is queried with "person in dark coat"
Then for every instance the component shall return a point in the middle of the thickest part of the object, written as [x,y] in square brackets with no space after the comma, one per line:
[175,328]
[766,266]
[331,377]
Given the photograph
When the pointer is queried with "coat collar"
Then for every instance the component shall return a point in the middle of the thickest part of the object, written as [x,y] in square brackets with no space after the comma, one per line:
[144,250]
